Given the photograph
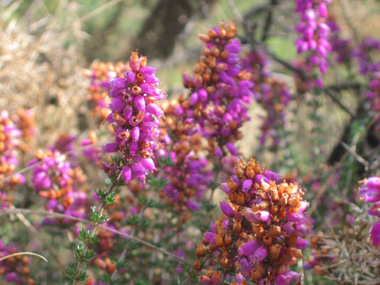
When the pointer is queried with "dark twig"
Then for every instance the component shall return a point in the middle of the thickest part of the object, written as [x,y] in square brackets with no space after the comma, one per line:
[268,21]
[287,64]
[344,86]
[339,102]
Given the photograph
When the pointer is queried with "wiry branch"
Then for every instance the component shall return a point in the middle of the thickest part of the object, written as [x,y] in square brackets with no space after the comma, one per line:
[59,215]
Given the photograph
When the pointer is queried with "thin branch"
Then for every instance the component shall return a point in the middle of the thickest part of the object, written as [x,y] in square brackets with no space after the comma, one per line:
[98,10]
[235,11]
[268,21]
[358,157]
[340,103]
[59,215]
[347,20]
[23,253]
[36,234]
[288,65]
[343,86]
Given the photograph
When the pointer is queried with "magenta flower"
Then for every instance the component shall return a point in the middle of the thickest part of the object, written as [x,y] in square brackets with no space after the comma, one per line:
[135,118]
[259,236]
[288,278]
[375,234]
[8,151]
[313,32]
[227,210]
[370,190]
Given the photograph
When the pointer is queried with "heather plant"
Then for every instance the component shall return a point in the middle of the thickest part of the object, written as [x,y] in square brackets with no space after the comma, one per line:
[259,164]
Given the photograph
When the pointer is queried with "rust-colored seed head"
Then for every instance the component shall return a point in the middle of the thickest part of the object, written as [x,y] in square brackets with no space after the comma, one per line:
[228,239]
[239,171]
[267,240]
[240,199]
[237,227]
[219,241]
[224,262]
[204,38]
[197,265]
[257,272]
[274,251]
[136,89]
[232,185]
[209,272]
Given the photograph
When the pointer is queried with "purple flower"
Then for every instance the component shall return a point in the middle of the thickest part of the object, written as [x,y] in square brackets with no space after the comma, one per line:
[259,255]
[375,234]
[227,210]
[288,278]
[210,237]
[136,116]
[248,248]
[370,190]
[192,205]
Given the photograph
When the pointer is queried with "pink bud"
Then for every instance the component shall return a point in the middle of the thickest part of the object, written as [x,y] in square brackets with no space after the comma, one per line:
[140,103]
[227,210]
[148,163]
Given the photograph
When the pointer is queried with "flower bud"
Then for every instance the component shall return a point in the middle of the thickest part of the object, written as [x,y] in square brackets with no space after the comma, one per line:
[219,241]
[197,265]
[227,210]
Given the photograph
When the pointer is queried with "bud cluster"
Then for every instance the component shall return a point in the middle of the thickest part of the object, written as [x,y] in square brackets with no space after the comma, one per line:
[91,150]
[55,180]
[9,141]
[186,172]
[24,120]
[220,90]
[271,93]
[135,118]
[259,234]
[101,75]
[340,46]
[15,269]
[321,255]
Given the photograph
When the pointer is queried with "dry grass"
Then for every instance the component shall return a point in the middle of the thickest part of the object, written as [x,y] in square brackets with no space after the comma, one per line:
[357,260]
[40,63]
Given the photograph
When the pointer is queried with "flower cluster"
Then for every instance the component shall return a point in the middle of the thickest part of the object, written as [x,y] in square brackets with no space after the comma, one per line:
[65,144]
[341,47]
[220,90]
[91,150]
[187,174]
[24,120]
[363,53]
[321,255]
[370,193]
[101,75]
[271,93]
[9,141]
[314,32]
[55,180]
[259,234]
[188,177]
[15,269]
[135,118]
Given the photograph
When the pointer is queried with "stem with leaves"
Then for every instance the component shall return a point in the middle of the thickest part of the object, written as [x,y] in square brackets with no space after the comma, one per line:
[83,253]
